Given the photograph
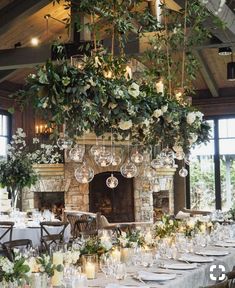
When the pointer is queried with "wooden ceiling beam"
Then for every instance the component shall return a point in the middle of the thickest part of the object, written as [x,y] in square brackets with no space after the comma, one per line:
[14,12]
[207,75]
[24,57]
[4,74]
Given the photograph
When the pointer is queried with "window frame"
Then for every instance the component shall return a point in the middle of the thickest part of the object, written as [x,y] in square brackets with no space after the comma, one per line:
[217,181]
[9,124]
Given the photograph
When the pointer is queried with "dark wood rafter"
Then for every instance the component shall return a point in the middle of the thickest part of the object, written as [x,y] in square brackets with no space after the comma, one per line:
[207,74]
[16,10]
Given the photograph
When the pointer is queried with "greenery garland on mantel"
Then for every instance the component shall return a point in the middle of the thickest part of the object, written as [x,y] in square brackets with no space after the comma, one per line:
[88,101]
[99,98]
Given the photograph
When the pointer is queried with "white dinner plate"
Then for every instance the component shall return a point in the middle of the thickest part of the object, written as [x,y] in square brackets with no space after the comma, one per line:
[196,259]
[148,276]
[230,241]
[180,266]
[213,252]
[225,244]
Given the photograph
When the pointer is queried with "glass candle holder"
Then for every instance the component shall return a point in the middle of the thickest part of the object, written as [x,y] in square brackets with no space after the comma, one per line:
[90,265]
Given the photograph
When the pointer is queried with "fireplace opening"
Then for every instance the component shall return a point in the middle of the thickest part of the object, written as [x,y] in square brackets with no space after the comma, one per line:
[116,204]
[53,201]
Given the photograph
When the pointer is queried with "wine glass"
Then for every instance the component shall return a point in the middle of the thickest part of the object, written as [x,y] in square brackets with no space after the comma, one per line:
[105,265]
[120,271]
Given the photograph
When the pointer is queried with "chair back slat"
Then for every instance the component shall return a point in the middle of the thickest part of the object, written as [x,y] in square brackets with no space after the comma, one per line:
[7,228]
[9,246]
[49,238]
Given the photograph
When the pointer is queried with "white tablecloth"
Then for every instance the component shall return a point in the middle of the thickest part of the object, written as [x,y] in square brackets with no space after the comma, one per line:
[196,278]
[34,234]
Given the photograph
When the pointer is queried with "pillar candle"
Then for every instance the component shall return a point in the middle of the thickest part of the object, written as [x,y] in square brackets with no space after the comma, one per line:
[57,278]
[116,255]
[90,270]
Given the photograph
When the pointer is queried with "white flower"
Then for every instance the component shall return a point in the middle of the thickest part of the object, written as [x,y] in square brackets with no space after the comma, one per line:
[44,105]
[164,108]
[157,113]
[35,140]
[112,105]
[106,243]
[134,90]
[92,82]
[191,117]
[125,125]
[97,62]
[199,115]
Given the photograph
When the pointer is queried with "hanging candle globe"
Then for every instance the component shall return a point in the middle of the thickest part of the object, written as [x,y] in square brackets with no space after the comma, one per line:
[104,158]
[64,142]
[84,174]
[179,155]
[167,153]
[95,150]
[112,181]
[76,154]
[157,162]
[116,160]
[183,172]
[128,169]
[137,158]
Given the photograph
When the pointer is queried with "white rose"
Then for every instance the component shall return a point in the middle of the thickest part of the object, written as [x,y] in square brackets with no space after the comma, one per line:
[164,108]
[134,90]
[191,117]
[199,115]
[157,113]
[125,125]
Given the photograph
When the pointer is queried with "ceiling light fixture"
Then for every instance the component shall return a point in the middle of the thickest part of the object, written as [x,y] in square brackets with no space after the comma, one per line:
[34,41]
[225,51]
[231,70]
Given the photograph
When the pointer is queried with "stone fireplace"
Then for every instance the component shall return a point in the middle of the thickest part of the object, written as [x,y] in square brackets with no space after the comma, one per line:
[134,193]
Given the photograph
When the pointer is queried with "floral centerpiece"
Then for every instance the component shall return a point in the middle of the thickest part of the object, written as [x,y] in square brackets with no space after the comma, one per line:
[45,265]
[131,239]
[167,226]
[16,271]
[95,245]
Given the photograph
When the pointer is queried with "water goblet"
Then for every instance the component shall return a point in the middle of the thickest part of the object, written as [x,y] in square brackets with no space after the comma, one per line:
[120,271]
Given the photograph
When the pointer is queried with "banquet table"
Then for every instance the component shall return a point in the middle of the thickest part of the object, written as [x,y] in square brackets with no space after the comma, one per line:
[33,232]
[195,278]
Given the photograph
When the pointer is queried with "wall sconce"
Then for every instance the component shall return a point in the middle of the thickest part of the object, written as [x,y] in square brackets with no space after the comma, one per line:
[231,70]
[43,130]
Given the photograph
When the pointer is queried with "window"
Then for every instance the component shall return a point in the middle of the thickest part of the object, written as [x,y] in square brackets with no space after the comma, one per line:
[5,132]
[211,182]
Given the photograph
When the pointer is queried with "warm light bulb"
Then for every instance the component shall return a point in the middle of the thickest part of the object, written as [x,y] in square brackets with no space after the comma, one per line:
[34,41]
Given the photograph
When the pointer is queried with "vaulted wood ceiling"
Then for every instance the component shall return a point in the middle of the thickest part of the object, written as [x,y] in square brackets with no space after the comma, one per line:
[25,19]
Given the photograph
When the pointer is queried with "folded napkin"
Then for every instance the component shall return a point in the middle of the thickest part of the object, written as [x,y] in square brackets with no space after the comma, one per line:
[148,276]
[182,215]
[123,286]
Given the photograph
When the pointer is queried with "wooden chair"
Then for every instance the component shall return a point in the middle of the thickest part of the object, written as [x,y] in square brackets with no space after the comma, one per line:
[9,246]
[221,284]
[6,230]
[47,238]
[85,226]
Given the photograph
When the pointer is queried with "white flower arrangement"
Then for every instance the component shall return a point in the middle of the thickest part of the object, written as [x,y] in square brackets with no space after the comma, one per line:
[42,153]
[71,257]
